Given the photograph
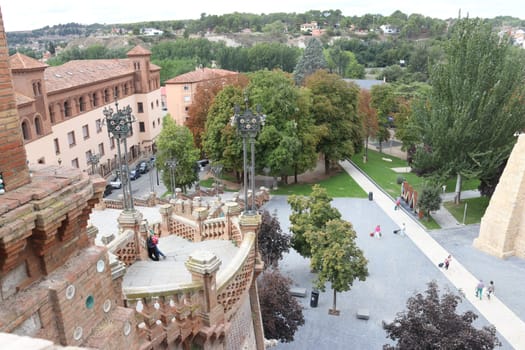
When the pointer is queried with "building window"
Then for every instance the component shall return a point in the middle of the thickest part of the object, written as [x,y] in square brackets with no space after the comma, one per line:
[88,157]
[153,124]
[57,146]
[101,149]
[52,113]
[106,96]
[98,125]
[67,109]
[116,92]
[38,126]
[25,130]
[140,107]
[186,87]
[82,104]
[112,143]
[71,138]
[158,121]
[85,131]
[151,105]
[187,108]
[157,103]
[142,127]
[94,97]
[187,98]
[126,89]
[74,163]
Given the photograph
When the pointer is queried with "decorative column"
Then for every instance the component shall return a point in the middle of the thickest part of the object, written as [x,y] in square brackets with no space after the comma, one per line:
[203,266]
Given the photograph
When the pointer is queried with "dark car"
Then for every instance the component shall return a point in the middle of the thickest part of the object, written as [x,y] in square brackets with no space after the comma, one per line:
[108,191]
[143,167]
[134,174]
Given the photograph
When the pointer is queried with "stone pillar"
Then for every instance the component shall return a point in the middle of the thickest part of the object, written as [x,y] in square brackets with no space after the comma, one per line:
[231,209]
[203,266]
[165,212]
[256,315]
[502,230]
[13,165]
[131,220]
[200,214]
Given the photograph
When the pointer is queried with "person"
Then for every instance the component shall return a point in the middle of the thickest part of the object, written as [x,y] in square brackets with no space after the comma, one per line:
[403,230]
[152,252]
[398,203]
[490,289]
[446,263]
[155,240]
[479,289]
[377,232]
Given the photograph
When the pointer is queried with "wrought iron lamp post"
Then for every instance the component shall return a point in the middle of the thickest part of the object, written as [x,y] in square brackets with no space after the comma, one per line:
[119,125]
[248,125]
[93,160]
[172,165]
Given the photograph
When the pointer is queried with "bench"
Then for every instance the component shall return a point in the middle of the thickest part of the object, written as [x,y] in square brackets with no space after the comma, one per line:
[298,292]
[363,314]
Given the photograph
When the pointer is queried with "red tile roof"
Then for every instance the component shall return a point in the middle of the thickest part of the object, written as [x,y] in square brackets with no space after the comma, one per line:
[200,74]
[138,51]
[20,61]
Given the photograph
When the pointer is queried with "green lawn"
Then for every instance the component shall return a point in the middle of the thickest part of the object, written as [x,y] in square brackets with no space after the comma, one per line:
[475,209]
[340,185]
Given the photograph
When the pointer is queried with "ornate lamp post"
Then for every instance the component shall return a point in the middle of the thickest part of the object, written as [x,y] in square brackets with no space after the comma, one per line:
[172,165]
[93,160]
[119,125]
[248,125]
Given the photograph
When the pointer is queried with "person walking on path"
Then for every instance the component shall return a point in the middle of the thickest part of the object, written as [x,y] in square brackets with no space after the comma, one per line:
[377,232]
[152,251]
[479,289]
[447,261]
[490,289]
[155,240]
[398,203]
[401,231]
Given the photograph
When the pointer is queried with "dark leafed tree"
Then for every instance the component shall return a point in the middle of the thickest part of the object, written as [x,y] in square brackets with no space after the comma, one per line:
[431,322]
[336,258]
[475,106]
[310,214]
[312,60]
[281,313]
[429,198]
[271,240]
[334,108]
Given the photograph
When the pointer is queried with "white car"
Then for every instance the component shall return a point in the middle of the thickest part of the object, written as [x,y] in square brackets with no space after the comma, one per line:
[115,182]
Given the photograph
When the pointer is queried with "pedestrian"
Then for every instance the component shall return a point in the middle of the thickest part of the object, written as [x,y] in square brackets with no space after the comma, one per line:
[377,232]
[479,289]
[155,239]
[403,231]
[398,203]
[490,289]
[152,251]
[447,261]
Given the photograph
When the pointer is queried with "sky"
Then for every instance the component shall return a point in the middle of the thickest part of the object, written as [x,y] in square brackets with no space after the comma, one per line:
[34,14]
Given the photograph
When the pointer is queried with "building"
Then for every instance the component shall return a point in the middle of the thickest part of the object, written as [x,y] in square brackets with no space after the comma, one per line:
[181,89]
[61,108]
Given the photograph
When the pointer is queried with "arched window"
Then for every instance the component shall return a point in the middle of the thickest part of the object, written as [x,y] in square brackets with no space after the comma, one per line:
[25,130]
[52,113]
[67,109]
[95,99]
[82,104]
[38,125]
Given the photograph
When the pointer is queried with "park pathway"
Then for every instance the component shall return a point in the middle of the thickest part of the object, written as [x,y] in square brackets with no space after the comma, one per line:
[508,324]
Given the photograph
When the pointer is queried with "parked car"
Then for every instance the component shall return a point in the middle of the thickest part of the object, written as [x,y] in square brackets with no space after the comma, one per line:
[143,167]
[108,191]
[115,182]
[203,163]
[134,174]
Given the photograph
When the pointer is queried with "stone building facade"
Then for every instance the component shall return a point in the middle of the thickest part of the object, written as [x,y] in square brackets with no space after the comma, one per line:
[61,108]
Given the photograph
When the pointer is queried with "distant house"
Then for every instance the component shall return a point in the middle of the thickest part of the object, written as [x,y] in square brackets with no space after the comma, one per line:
[309,27]
[151,31]
[389,29]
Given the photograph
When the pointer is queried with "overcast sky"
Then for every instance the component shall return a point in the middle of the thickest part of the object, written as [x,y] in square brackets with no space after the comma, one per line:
[34,14]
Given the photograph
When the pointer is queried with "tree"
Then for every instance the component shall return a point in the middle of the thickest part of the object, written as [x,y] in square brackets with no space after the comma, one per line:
[369,117]
[475,106]
[429,198]
[334,109]
[281,313]
[384,102]
[310,214]
[176,142]
[271,240]
[431,322]
[311,61]
[336,257]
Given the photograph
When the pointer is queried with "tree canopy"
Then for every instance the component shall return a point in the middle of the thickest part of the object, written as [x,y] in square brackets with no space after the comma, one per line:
[431,322]
[311,61]
[271,240]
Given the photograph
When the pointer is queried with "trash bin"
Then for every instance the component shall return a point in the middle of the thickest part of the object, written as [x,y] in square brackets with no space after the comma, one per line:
[314,299]
[370,196]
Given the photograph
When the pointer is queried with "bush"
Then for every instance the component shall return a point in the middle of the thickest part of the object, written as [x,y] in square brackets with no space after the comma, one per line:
[400,180]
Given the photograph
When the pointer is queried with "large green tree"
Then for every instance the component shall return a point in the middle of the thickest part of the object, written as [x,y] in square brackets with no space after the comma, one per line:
[334,109]
[175,142]
[476,104]
[310,214]
[311,61]
[336,258]
[384,101]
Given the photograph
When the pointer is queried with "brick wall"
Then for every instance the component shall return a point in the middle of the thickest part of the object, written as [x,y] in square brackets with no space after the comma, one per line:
[13,155]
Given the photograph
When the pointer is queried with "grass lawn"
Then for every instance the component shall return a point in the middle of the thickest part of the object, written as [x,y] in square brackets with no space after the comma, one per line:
[340,185]
[475,209]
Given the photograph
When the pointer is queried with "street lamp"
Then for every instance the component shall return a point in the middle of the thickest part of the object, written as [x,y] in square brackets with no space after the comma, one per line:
[172,165]
[119,125]
[248,125]
[93,160]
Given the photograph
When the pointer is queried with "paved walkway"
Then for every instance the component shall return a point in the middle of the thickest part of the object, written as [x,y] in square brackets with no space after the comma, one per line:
[508,324]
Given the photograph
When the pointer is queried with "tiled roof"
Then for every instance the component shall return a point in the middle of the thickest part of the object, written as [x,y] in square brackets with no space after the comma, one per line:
[200,74]
[138,51]
[21,61]
[80,72]
[22,99]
